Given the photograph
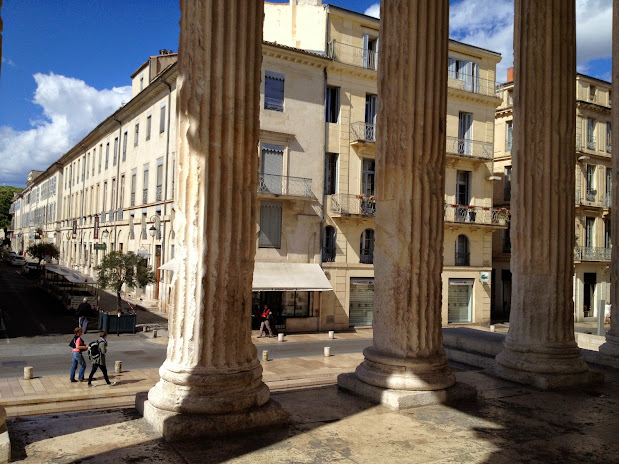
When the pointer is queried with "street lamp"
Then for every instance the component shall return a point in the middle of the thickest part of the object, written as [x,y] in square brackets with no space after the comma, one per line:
[152,231]
[156,220]
[105,234]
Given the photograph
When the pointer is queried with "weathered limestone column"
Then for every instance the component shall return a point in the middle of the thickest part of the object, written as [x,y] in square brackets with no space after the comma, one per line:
[611,347]
[211,382]
[407,366]
[540,348]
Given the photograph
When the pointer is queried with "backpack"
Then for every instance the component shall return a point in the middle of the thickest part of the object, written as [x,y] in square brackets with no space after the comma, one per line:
[93,351]
[72,342]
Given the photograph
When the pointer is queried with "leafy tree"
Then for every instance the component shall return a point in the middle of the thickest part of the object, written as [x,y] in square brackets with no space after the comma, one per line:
[6,195]
[118,269]
[42,250]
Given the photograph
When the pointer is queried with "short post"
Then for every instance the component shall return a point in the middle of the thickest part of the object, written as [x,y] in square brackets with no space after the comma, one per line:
[28,372]
[601,308]
[280,337]
[327,351]
[331,334]
[118,367]
[154,333]
[265,355]
[492,328]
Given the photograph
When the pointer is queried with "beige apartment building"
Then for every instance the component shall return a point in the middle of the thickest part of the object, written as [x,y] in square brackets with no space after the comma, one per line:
[351,40]
[592,161]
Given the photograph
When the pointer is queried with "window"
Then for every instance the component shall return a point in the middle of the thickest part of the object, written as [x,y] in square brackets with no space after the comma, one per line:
[592,91]
[591,133]
[366,252]
[607,234]
[121,200]
[141,82]
[328,244]
[466,72]
[463,187]
[507,185]
[113,193]
[589,223]
[132,226]
[609,137]
[370,52]
[295,304]
[104,205]
[271,168]
[274,91]
[136,136]
[330,173]
[143,227]
[591,190]
[609,186]
[462,251]
[509,129]
[87,165]
[465,133]
[115,152]
[333,104]
[173,171]
[369,166]
[145,186]
[162,118]
[133,186]
[270,224]
[510,97]
[107,155]
[125,137]
[149,121]
[159,190]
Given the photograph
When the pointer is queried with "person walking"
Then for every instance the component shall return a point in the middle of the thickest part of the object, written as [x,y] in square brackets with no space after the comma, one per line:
[77,346]
[267,317]
[98,359]
[83,311]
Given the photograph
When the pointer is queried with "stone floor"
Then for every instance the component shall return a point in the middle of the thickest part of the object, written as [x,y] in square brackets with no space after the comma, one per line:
[508,423]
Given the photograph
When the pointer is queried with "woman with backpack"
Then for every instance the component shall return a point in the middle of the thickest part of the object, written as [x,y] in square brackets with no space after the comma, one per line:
[96,352]
[77,346]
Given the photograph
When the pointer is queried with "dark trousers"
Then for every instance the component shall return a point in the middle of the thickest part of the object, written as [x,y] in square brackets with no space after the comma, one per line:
[94,369]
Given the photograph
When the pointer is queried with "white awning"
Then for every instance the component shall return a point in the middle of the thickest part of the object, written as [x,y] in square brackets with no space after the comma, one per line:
[169,266]
[289,277]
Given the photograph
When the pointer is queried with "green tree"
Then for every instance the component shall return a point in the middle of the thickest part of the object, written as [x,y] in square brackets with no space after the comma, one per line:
[42,250]
[117,269]
[6,195]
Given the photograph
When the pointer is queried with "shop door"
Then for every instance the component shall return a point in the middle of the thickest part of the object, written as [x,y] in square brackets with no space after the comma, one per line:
[361,308]
[459,300]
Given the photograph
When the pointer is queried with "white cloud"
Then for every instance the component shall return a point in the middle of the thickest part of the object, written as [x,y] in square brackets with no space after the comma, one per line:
[8,61]
[70,109]
[373,10]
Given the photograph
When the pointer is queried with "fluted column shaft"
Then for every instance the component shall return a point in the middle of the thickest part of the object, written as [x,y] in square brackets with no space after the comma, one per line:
[611,347]
[541,334]
[211,365]
[407,353]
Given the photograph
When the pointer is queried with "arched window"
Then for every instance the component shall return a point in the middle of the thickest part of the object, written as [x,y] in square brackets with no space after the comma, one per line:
[367,247]
[328,244]
[462,251]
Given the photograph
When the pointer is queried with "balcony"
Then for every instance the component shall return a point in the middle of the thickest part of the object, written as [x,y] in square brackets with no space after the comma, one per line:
[470,83]
[591,199]
[363,132]
[584,253]
[342,204]
[476,215]
[355,56]
[469,148]
[589,143]
[285,186]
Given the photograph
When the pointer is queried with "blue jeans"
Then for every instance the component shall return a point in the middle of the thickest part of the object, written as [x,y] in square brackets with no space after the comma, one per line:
[77,357]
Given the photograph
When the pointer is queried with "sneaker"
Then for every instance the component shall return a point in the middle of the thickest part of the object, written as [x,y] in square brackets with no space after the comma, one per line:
[111,384]
[73,380]
[90,385]
[82,380]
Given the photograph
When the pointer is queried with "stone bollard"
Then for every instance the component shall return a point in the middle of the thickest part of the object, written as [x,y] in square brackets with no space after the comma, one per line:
[331,334]
[492,328]
[265,355]
[327,351]
[154,333]
[28,372]
[280,337]
[118,367]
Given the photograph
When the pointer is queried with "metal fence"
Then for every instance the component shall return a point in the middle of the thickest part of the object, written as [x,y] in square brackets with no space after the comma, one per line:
[584,253]
[474,84]
[364,131]
[353,55]
[285,185]
[476,215]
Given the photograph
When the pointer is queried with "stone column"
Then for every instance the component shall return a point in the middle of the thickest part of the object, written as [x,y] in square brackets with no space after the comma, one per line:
[611,347]
[211,382]
[540,348]
[407,366]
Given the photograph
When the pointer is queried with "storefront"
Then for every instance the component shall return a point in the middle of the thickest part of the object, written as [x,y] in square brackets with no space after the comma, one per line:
[459,300]
[361,306]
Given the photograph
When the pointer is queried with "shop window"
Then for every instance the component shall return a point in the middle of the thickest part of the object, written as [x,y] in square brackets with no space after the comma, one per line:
[295,304]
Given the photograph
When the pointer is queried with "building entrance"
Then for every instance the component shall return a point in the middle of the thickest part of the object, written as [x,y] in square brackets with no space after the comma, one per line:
[361,306]
[590,281]
[459,299]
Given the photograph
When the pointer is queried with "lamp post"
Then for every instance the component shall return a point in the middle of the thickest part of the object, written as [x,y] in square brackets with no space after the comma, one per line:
[156,220]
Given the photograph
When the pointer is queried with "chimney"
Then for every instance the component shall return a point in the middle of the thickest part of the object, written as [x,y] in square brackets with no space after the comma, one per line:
[510,74]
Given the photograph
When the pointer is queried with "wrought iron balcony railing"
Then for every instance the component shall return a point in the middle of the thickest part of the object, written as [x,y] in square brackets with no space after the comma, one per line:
[589,143]
[362,131]
[463,259]
[472,148]
[353,55]
[590,195]
[274,184]
[348,204]
[133,199]
[585,253]
[470,83]
[485,215]
[158,193]
[366,256]
[591,198]
[145,196]
[608,148]
[328,254]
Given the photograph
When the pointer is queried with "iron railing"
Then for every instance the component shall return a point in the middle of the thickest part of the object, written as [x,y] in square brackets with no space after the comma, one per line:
[347,204]
[285,185]
[470,83]
[353,55]
[366,256]
[463,259]
[363,131]
[111,214]
[119,214]
[609,148]
[133,199]
[589,143]
[590,195]
[477,215]
[585,253]
[145,196]
[328,254]
[508,145]
[158,193]
[591,198]
[472,148]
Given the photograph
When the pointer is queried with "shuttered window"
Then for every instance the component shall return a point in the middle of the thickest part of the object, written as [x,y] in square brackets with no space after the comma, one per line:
[270,225]
[274,91]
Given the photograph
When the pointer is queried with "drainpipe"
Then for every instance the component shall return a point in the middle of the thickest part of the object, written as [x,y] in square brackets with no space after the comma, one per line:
[115,199]
[324,196]
[165,183]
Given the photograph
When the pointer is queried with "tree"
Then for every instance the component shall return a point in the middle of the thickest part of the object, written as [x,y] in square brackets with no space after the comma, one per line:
[6,196]
[41,251]
[118,269]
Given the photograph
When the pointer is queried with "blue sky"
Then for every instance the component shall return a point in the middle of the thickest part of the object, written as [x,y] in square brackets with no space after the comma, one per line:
[66,64]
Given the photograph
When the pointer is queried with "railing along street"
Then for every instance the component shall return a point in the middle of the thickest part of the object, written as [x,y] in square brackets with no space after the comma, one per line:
[285,185]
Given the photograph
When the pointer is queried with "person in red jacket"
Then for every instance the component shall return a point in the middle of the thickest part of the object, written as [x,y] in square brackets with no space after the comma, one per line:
[267,317]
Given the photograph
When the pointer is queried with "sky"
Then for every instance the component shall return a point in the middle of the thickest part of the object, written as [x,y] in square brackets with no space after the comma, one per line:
[66,65]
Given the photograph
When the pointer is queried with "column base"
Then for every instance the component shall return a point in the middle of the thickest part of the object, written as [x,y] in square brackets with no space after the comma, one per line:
[174,426]
[5,443]
[405,399]
[547,381]
[610,348]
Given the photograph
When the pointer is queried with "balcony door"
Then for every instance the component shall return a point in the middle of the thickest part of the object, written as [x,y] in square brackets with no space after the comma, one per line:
[369,168]
[465,133]
[463,197]
[465,71]
[271,168]
[589,223]
[371,107]
[370,52]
